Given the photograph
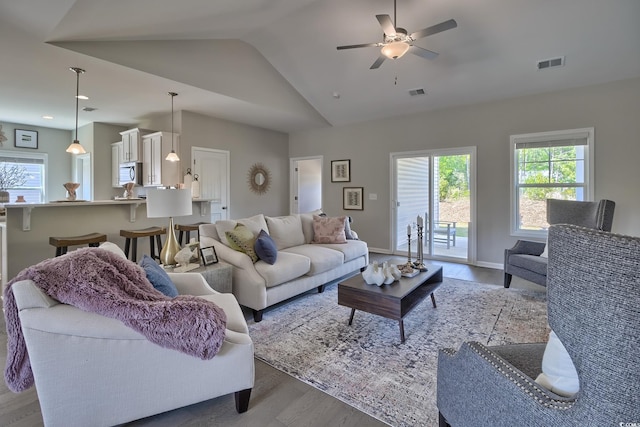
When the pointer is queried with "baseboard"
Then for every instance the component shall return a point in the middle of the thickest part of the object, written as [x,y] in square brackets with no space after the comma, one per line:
[493,265]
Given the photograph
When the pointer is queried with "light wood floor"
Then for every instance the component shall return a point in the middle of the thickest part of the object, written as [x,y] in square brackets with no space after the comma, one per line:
[277,399]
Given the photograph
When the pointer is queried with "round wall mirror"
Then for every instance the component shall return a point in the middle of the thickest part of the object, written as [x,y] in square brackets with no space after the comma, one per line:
[259,178]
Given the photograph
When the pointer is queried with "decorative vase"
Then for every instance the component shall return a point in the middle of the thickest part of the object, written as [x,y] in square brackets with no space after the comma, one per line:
[373,275]
[71,188]
[395,272]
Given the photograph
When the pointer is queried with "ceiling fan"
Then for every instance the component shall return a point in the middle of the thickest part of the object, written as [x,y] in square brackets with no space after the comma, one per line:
[396,41]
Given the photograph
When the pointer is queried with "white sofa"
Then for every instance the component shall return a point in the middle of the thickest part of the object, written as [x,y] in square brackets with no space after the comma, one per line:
[92,370]
[300,265]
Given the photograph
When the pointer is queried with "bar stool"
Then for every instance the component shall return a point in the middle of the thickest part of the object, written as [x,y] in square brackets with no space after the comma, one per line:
[188,228]
[150,232]
[62,243]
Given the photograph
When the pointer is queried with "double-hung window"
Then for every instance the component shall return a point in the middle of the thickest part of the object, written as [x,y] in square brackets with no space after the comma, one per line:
[31,169]
[548,165]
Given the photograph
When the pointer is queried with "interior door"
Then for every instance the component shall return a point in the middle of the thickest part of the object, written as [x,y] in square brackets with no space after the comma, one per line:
[306,184]
[211,167]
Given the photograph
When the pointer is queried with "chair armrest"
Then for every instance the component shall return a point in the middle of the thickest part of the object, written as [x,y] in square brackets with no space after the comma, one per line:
[191,284]
[230,256]
[504,390]
[526,247]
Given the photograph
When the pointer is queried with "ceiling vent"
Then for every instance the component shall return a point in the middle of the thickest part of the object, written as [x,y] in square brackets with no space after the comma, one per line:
[551,63]
[89,109]
[415,92]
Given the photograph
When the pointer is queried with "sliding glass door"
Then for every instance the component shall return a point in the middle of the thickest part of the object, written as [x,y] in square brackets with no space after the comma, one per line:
[436,185]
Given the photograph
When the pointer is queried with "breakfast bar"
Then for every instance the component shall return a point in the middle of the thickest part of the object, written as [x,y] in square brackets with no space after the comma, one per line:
[30,225]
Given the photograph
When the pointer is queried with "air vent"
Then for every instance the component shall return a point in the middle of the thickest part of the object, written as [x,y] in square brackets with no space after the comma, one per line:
[88,109]
[551,63]
[415,92]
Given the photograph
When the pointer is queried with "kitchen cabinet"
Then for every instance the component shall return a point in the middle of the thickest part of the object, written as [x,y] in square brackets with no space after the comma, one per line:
[156,170]
[116,156]
[131,146]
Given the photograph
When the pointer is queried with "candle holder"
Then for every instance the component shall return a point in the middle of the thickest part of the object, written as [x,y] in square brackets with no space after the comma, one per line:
[419,262]
[407,268]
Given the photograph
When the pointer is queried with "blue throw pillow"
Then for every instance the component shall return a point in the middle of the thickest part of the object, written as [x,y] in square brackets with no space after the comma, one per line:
[266,248]
[158,277]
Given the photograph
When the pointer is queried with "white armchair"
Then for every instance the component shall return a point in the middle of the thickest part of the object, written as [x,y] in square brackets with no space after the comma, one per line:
[94,370]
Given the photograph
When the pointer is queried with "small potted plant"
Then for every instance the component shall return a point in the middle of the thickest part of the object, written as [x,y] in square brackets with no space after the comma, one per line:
[10,177]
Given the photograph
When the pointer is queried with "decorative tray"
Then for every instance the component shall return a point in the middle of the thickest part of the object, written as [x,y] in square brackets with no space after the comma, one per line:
[412,274]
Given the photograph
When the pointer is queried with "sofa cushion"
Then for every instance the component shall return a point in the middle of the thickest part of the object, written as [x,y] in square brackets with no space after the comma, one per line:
[266,248]
[351,250]
[529,262]
[242,239]
[322,258]
[307,224]
[287,267]
[254,223]
[329,229]
[158,277]
[286,231]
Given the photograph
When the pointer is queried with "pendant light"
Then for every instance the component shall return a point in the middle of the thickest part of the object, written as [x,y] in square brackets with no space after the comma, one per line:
[172,156]
[76,147]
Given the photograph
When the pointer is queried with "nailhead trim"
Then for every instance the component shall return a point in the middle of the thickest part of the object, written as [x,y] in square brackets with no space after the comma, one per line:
[523,382]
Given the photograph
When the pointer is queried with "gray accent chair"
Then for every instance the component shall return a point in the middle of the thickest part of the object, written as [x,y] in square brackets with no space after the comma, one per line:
[524,260]
[593,293]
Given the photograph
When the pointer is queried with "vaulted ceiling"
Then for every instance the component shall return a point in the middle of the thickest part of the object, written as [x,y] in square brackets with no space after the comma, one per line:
[274,63]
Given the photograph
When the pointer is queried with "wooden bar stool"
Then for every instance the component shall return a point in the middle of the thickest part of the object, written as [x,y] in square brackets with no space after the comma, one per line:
[62,243]
[150,232]
[188,228]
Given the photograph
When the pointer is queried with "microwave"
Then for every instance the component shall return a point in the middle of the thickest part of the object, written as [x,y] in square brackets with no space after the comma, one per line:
[130,172]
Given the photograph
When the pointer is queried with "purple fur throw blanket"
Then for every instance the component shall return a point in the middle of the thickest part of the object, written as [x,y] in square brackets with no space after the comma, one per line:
[99,281]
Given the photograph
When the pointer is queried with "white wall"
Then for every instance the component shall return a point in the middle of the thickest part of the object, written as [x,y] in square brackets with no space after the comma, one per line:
[613,109]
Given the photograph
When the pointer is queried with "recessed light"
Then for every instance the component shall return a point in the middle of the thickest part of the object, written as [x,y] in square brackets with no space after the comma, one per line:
[82,97]
[47,117]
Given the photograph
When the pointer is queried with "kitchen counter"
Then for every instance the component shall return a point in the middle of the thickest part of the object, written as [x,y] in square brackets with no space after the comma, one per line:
[133,204]
[29,226]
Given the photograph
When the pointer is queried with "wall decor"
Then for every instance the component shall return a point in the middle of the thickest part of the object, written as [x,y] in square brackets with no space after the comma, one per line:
[341,171]
[208,255]
[26,138]
[352,198]
[259,178]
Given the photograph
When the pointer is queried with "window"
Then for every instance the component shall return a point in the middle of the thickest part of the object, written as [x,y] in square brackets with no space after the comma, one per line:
[548,165]
[32,167]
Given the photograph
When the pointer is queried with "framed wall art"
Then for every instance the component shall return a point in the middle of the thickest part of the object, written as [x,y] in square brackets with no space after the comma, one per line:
[352,198]
[26,139]
[341,171]
[208,255]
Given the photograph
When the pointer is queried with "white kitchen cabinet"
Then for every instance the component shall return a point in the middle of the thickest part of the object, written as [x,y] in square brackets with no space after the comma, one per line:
[116,156]
[155,169]
[131,146]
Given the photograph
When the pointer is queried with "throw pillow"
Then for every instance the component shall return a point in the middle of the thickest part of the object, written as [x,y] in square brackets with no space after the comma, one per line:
[286,231]
[558,375]
[242,239]
[158,277]
[348,234]
[112,247]
[545,253]
[266,248]
[329,229]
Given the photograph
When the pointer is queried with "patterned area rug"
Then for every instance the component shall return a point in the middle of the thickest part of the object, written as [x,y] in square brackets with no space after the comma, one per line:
[365,365]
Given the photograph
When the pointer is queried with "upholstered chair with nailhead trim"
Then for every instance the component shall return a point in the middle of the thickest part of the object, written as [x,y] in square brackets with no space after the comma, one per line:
[593,292]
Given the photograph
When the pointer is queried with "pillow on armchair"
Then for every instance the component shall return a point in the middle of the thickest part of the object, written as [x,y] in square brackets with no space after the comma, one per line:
[558,375]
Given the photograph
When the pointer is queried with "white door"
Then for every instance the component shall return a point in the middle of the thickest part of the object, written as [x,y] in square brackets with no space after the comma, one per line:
[211,167]
[306,184]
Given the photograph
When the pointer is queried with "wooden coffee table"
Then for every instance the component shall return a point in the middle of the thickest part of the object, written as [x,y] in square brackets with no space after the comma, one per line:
[392,301]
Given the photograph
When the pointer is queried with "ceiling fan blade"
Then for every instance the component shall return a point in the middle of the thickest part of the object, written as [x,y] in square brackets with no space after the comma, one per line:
[354,46]
[387,24]
[378,62]
[443,26]
[428,54]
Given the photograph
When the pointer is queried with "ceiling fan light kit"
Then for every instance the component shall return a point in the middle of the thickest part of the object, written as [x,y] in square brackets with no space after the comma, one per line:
[397,42]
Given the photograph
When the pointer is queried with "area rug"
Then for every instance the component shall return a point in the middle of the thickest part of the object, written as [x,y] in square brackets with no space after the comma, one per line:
[364,364]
